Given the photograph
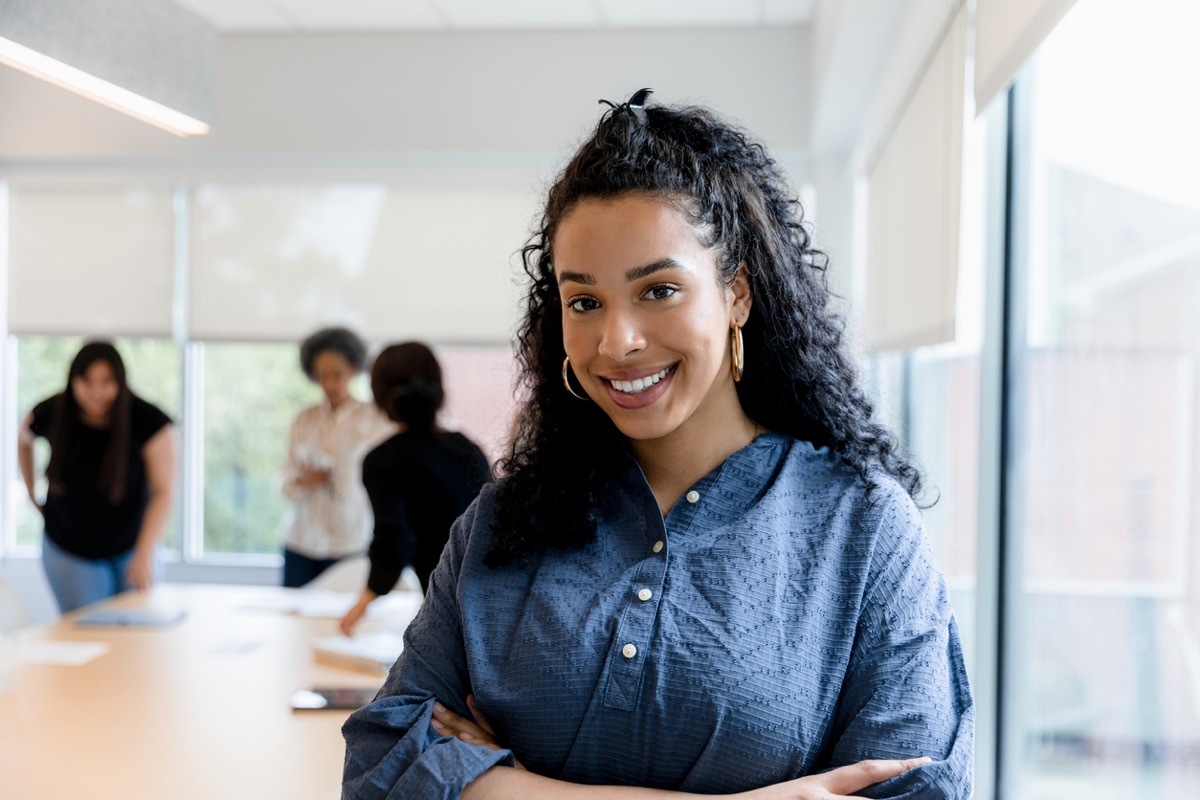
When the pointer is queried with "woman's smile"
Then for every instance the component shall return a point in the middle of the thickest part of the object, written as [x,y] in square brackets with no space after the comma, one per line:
[639,392]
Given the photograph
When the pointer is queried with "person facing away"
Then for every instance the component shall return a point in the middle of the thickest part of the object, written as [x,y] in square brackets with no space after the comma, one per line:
[110,480]
[420,480]
[702,571]
[330,517]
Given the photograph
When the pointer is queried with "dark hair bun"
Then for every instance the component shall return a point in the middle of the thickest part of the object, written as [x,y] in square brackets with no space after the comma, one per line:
[416,401]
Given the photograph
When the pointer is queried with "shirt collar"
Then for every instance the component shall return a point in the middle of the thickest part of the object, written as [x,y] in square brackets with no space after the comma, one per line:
[725,493]
[328,408]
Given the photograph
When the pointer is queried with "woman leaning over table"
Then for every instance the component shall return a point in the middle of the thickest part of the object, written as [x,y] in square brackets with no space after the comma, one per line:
[110,480]
[703,572]
[420,480]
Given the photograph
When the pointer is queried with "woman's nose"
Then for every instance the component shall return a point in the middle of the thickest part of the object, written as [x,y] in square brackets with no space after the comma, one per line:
[621,336]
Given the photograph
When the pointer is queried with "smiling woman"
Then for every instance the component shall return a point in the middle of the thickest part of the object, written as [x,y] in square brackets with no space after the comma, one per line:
[646,325]
[703,571]
[110,476]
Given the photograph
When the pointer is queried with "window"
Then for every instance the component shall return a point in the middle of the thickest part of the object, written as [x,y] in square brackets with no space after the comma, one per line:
[1107,655]
[225,378]
[932,396]
[251,394]
[253,391]
[480,382]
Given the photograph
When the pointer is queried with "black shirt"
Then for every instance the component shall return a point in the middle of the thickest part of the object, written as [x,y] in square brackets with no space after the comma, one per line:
[419,482]
[80,519]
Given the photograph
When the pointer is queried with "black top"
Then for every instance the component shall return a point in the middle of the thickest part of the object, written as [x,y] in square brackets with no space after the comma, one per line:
[419,482]
[80,519]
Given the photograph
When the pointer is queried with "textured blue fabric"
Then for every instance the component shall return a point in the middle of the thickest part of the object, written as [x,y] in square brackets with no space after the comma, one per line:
[793,623]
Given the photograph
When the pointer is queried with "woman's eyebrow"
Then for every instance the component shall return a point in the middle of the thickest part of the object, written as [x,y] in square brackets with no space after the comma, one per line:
[635,274]
[576,277]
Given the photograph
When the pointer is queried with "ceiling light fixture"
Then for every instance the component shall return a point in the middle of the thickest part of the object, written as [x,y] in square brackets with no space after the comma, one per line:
[153,60]
[101,91]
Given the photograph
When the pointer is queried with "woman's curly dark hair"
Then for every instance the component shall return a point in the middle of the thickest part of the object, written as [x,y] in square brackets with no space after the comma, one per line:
[343,341]
[798,381]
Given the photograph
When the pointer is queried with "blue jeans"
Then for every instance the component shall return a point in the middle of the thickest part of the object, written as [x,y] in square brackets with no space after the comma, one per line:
[78,581]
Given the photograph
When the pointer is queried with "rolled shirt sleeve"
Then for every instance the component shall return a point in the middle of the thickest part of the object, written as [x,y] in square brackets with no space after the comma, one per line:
[392,751]
[906,690]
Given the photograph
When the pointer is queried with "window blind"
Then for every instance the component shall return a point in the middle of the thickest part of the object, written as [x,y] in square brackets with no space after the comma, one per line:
[914,192]
[91,262]
[273,262]
[1007,32]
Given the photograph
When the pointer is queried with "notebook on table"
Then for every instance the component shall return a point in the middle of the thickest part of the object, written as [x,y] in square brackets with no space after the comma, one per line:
[132,617]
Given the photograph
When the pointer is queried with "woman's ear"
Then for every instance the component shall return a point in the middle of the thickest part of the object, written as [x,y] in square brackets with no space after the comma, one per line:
[741,300]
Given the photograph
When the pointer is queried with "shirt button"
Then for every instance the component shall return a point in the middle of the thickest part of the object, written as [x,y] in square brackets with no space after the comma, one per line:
[645,594]
[693,496]
[658,546]
[629,651]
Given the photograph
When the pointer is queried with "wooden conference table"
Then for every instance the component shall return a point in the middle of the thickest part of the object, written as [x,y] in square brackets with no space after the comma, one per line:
[199,709]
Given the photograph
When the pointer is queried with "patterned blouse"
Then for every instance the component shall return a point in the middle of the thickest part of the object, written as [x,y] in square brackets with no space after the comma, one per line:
[334,519]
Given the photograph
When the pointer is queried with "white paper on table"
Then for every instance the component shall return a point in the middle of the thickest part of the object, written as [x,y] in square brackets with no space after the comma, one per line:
[67,654]
[381,648]
[334,605]
[326,604]
[285,603]
[323,603]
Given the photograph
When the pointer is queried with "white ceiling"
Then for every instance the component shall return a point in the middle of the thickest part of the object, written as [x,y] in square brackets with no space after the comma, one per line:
[310,16]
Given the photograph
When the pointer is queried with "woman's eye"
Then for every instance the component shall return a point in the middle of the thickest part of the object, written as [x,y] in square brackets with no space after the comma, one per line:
[582,304]
[661,292]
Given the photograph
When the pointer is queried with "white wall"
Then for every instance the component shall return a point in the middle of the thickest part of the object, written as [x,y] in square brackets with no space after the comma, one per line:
[852,41]
[510,95]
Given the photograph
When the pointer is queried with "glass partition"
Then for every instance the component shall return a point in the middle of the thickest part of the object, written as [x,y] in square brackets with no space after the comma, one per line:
[1106,617]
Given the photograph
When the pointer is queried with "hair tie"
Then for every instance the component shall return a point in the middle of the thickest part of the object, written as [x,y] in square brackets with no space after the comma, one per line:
[636,104]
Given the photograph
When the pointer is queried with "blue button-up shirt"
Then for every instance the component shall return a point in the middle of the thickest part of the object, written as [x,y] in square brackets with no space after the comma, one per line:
[781,620]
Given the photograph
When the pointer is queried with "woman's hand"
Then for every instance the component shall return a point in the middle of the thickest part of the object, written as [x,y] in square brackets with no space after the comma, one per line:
[356,612]
[140,572]
[479,731]
[838,783]
[311,478]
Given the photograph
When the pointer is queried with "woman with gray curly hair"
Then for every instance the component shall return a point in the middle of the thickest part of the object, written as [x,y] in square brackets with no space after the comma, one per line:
[330,516]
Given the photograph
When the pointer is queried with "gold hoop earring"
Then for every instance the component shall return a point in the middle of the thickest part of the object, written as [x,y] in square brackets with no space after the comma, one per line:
[567,382]
[736,351]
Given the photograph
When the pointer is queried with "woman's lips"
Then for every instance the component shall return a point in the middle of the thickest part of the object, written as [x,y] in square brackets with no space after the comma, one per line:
[638,385]
[639,392]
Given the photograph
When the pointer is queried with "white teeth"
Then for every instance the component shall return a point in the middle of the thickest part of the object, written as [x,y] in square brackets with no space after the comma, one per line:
[640,384]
